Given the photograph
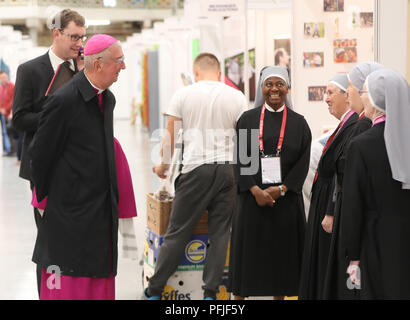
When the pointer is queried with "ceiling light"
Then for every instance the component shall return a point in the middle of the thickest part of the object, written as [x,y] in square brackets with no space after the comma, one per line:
[110,3]
[98,22]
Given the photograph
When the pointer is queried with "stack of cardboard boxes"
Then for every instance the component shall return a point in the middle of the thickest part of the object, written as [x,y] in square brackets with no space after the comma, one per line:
[186,283]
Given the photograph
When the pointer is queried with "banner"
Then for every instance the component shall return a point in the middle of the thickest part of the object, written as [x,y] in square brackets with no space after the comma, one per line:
[223,8]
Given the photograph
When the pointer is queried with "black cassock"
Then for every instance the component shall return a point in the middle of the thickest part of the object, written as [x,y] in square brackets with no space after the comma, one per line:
[317,242]
[375,228]
[267,243]
[73,163]
[336,275]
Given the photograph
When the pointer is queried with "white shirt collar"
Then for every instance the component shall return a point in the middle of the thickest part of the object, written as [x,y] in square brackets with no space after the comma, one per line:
[99,90]
[273,110]
[56,61]
[362,113]
[345,114]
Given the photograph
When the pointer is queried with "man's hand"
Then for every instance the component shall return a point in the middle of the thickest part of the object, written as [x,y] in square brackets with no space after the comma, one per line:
[354,272]
[327,223]
[262,197]
[160,170]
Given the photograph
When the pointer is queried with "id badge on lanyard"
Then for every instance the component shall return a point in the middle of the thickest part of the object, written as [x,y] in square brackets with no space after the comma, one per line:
[270,164]
[271,169]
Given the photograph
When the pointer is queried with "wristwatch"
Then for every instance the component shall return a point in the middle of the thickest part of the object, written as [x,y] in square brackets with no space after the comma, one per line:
[282,191]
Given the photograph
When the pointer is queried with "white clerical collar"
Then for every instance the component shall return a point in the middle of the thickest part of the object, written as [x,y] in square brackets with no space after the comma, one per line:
[344,115]
[269,108]
[98,89]
[362,113]
[56,61]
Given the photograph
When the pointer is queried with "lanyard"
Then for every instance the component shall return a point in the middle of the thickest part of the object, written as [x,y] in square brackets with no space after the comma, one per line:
[282,130]
[347,117]
[329,141]
[378,120]
[52,80]
[361,116]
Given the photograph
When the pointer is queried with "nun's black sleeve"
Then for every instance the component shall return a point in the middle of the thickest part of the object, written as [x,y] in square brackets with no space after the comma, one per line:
[48,144]
[354,189]
[297,175]
[332,199]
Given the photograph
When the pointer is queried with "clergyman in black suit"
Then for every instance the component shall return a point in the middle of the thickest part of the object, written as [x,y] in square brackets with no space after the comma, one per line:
[34,78]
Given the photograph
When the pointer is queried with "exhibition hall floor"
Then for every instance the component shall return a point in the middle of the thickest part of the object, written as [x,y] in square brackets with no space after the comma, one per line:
[18,230]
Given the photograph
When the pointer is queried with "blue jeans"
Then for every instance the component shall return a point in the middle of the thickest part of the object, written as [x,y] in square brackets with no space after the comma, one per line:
[6,140]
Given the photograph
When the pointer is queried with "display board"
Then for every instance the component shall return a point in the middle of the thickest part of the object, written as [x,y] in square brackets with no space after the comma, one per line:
[408,41]
[235,74]
[329,37]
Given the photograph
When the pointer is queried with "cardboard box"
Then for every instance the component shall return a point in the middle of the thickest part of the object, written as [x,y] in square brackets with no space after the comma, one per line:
[194,256]
[158,213]
[186,285]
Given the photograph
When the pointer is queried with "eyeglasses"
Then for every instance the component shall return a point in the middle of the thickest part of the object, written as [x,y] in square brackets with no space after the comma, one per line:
[118,61]
[74,37]
[363,91]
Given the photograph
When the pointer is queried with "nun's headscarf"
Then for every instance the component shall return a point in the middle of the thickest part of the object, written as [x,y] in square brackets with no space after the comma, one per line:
[360,72]
[389,92]
[340,80]
[267,72]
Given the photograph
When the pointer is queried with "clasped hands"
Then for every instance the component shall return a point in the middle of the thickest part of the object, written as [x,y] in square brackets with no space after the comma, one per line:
[265,197]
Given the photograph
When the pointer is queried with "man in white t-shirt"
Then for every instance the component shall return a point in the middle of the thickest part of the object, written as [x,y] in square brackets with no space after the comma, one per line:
[207,112]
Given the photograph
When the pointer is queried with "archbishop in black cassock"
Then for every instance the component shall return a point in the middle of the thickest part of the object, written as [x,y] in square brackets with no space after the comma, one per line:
[73,163]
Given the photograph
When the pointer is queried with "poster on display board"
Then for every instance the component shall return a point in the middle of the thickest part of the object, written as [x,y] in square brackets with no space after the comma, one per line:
[333,5]
[314,30]
[282,54]
[345,42]
[366,19]
[313,59]
[345,50]
[316,93]
[234,73]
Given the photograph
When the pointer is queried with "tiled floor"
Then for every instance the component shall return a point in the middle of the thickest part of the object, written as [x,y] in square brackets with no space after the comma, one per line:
[18,231]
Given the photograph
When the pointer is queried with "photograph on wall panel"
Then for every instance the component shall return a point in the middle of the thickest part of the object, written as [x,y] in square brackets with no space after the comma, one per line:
[316,93]
[345,50]
[313,59]
[234,72]
[366,19]
[282,54]
[333,5]
[314,30]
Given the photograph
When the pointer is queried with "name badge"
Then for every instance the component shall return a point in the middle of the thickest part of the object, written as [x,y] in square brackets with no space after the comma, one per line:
[271,170]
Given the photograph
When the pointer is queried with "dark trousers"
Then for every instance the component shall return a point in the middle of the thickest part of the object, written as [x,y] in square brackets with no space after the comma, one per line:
[6,140]
[20,145]
[210,187]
